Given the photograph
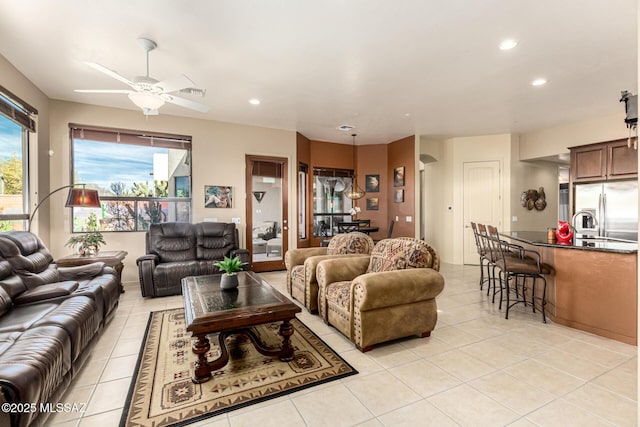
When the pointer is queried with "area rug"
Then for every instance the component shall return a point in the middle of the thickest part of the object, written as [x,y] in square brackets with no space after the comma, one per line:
[162,393]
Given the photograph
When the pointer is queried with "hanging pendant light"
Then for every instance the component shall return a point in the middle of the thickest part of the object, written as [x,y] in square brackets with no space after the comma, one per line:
[355,192]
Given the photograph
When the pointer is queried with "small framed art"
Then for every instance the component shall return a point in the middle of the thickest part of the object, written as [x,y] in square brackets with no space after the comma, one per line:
[398,196]
[372,183]
[218,196]
[398,176]
[372,204]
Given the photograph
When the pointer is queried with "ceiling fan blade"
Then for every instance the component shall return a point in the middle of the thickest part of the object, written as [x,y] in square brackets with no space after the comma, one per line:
[103,90]
[186,103]
[109,73]
[175,84]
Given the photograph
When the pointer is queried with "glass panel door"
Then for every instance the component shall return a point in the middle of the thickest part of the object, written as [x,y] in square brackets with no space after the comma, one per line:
[267,219]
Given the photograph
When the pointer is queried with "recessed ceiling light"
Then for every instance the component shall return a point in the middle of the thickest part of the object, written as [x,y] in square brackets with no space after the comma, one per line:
[508,44]
[407,114]
[254,101]
[538,82]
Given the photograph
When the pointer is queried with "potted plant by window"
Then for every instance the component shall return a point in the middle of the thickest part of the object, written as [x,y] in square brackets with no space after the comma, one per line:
[230,266]
[88,243]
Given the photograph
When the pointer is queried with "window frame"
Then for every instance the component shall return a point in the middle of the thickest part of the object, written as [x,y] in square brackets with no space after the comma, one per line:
[124,137]
[17,111]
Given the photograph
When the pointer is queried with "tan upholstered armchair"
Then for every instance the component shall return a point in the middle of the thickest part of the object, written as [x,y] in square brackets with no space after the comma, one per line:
[387,296]
[301,264]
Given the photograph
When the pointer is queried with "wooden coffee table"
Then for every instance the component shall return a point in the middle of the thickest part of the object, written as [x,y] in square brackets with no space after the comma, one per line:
[209,309]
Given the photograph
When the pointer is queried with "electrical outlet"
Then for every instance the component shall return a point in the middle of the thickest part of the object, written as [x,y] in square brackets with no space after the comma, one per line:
[514,218]
[397,218]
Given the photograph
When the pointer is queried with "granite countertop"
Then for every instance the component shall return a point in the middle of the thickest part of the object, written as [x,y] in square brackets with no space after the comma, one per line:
[601,244]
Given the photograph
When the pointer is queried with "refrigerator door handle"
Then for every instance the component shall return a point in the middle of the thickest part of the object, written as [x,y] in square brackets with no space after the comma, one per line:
[600,215]
[604,215]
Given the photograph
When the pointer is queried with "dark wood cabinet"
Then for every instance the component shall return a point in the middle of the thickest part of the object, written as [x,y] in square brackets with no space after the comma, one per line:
[622,160]
[603,161]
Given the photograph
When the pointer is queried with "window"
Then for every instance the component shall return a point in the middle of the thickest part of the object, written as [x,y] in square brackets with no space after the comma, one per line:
[330,203]
[143,178]
[16,120]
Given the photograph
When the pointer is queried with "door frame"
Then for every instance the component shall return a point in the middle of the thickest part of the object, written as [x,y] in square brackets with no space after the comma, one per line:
[270,265]
[467,235]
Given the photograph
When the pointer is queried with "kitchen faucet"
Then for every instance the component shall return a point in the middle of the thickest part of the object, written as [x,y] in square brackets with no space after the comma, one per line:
[586,213]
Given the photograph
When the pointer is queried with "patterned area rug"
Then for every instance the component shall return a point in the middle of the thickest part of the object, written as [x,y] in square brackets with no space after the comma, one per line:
[162,393]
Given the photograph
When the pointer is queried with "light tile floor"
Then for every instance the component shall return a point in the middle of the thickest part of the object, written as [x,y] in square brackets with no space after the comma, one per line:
[476,369]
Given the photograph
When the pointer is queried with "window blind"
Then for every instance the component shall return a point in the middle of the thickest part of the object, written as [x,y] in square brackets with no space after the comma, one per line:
[17,110]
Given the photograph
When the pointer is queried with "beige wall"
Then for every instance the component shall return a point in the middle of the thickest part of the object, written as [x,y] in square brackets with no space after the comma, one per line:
[556,140]
[533,175]
[522,168]
[218,159]
[20,86]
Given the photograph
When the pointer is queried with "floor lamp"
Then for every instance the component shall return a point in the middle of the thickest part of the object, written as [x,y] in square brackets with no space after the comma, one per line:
[77,198]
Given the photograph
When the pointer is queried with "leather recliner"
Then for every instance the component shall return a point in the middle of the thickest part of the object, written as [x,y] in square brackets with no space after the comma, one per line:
[40,278]
[49,320]
[176,250]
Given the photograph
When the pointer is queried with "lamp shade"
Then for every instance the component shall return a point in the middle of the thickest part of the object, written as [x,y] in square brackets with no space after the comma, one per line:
[82,197]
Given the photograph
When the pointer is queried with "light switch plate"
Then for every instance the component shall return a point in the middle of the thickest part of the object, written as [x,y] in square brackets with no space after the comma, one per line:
[235,220]
[409,218]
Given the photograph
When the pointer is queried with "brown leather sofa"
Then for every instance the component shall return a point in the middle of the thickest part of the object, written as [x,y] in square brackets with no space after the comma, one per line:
[175,250]
[49,320]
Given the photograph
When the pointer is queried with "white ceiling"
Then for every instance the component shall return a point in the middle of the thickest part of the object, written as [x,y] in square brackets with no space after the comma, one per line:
[318,64]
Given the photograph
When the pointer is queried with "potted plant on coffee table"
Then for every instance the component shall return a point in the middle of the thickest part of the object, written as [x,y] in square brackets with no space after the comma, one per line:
[231,267]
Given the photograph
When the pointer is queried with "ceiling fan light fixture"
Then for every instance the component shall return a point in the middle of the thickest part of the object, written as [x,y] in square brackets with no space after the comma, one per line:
[146,101]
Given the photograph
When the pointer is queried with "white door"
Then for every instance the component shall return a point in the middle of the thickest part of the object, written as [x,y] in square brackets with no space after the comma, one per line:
[482,202]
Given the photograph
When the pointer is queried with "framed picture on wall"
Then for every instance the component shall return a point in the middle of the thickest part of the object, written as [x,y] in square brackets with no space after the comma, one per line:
[398,176]
[398,196]
[372,204]
[372,183]
[218,196]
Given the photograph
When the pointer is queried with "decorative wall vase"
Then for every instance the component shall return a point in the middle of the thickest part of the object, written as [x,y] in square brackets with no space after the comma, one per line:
[531,199]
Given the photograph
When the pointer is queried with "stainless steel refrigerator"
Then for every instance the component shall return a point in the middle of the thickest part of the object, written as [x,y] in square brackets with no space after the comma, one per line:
[614,205]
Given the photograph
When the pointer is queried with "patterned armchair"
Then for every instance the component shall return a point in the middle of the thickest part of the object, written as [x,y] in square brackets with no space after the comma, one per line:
[386,296]
[301,264]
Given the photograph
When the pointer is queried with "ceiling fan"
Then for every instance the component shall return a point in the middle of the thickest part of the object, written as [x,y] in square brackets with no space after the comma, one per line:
[149,93]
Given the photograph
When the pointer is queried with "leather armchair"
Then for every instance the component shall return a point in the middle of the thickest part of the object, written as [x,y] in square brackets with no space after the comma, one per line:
[176,250]
[301,264]
[387,296]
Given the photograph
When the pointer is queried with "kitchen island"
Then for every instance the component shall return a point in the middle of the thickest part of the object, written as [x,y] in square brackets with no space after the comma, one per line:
[595,284]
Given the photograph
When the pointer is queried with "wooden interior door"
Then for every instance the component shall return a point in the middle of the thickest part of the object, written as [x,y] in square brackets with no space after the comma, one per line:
[267,212]
[482,202]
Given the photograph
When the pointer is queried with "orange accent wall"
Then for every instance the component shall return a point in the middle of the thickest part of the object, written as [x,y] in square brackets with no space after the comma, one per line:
[331,155]
[379,159]
[372,160]
[402,153]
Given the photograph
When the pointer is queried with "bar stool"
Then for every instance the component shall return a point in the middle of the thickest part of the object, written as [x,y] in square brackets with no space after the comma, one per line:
[524,265]
[483,253]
